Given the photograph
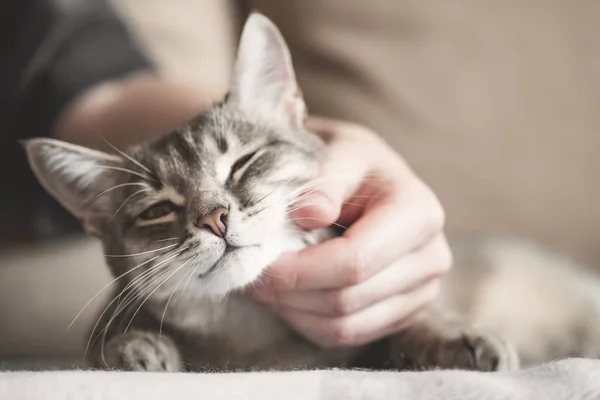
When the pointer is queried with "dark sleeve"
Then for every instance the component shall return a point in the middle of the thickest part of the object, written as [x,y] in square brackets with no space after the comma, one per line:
[55,53]
[50,53]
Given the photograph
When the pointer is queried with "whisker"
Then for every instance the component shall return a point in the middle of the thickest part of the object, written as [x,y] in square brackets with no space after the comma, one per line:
[107,286]
[147,273]
[365,196]
[257,212]
[297,231]
[121,169]
[320,181]
[265,196]
[93,199]
[306,190]
[154,267]
[146,276]
[177,269]
[129,198]
[134,292]
[268,194]
[319,219]
[164,240]
[188,280]
[298,207]
[129,298]
[169,301]
[139,254]
[308,187]
[117,311]
[133,160]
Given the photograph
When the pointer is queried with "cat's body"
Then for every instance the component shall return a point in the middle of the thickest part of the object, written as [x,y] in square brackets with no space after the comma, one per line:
[190,219]
[543,304]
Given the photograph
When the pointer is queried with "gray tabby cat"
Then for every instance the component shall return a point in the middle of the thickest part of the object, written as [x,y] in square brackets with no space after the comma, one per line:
[190,219]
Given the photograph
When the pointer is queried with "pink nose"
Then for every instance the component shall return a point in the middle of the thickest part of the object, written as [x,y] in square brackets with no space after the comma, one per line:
[216,221]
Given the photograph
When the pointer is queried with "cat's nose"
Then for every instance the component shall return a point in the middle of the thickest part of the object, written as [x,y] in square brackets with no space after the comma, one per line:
[216,221]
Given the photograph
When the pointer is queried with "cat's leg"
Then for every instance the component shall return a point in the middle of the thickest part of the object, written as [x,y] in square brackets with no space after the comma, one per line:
[434,341]
[140,351]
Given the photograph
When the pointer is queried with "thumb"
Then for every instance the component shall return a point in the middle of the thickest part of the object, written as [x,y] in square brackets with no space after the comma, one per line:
[316,210]
[322,206]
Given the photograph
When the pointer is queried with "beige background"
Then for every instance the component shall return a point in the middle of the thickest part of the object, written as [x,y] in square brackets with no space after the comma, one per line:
[496,104]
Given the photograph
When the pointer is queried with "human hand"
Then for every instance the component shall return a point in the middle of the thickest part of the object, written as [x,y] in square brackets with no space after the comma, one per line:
[386,267]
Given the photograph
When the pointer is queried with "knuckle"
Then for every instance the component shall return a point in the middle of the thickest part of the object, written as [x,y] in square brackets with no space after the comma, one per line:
[357,270]
[442,257]
[432,292]
[358,130]
[288,280]
[341,302]
[436,220]
[341,333]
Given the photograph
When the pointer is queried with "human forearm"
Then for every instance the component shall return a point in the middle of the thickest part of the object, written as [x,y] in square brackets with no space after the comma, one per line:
[130,110]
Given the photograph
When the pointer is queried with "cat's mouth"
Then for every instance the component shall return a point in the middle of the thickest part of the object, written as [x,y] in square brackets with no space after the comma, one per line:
[230,249]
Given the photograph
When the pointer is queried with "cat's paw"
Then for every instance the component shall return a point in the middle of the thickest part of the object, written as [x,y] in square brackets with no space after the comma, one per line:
[452,347]
[476,350]
[142,351]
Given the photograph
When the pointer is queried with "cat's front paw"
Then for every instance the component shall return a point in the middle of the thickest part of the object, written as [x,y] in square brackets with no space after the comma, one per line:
[476,350]
[142,351]
[451,346]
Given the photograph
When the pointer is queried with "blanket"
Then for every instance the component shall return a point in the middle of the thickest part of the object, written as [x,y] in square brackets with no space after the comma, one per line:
[571,379]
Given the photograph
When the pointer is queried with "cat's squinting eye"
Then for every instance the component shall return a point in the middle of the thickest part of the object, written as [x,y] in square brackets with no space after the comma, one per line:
[241,162]
[158,211]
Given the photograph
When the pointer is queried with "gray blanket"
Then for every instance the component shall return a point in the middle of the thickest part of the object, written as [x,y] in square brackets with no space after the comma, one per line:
[571,379]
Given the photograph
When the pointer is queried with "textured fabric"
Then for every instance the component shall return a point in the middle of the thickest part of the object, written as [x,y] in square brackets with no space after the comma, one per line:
[564,380]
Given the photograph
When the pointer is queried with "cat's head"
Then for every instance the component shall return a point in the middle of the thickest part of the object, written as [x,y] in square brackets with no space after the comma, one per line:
[206,206]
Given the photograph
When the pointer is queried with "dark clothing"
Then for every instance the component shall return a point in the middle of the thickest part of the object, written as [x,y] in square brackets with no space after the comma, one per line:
[50,53]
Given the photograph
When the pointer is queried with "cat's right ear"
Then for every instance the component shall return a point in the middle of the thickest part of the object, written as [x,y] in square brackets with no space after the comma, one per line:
[264,81]
[73,174]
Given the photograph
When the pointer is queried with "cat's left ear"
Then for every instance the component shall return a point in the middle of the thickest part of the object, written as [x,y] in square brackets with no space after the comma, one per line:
[264,81]
[75,176]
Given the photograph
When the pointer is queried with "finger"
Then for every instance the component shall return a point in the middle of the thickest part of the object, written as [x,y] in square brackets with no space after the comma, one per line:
[395,224]
[352,151]
[365,326]
[389,229]
[430,261]
[339,177]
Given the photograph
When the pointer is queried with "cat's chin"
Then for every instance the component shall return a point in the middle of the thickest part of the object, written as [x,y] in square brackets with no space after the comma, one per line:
[242,266]
[236,270]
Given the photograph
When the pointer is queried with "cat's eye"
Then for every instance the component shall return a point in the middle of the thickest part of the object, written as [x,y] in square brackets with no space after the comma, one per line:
[241,162]
[158,211]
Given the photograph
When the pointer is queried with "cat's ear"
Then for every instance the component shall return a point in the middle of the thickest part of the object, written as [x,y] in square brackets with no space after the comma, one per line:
[264,79]
[72,174]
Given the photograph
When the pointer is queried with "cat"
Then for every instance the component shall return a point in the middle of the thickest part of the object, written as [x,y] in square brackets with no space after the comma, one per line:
[190,219]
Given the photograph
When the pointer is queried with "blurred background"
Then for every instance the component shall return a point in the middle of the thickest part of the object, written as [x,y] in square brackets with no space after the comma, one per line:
[496,105]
